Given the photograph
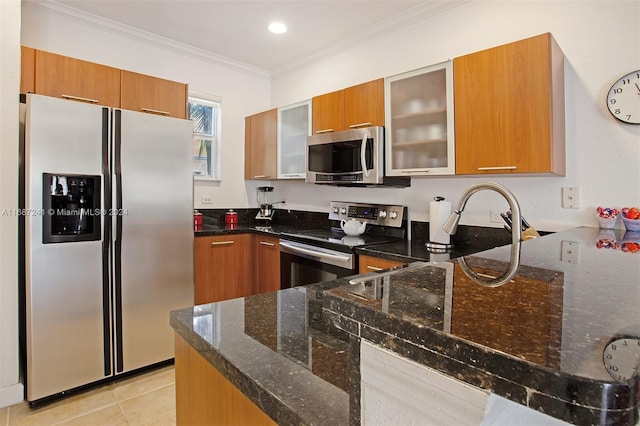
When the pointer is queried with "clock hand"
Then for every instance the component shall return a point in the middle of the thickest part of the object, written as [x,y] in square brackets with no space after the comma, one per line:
[638,88]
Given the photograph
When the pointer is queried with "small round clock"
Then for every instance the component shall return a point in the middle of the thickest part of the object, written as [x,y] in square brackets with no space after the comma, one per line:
[623,99]
[621,357]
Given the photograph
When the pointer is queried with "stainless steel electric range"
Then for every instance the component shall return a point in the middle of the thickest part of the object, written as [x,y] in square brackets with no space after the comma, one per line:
[324,254]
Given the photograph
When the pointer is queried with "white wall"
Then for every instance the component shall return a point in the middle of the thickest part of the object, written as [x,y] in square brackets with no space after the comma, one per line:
[600,40]
[11,389]
[244,90]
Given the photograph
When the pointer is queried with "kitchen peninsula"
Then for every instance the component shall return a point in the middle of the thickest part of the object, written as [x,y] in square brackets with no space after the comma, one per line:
[548,343]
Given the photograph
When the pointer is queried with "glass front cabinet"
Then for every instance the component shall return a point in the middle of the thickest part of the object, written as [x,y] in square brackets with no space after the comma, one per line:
[419,122]
[294,125]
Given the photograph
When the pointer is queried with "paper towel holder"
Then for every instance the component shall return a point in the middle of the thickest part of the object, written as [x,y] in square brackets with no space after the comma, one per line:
[435,247]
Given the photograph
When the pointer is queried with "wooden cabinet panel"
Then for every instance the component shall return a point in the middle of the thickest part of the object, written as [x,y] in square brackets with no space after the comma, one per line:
[27,69]
[328,112]
[205,397]
[509,109]
[261,145]
[371,264]
[364,105]
[223,267]
[154,95]
[70,78]
[357,106]
[267,263]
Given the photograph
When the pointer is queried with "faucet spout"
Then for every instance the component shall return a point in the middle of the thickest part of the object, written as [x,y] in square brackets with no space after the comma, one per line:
[451,226]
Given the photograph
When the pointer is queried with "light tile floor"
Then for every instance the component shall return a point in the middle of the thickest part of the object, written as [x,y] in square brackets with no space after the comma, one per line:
[147,399]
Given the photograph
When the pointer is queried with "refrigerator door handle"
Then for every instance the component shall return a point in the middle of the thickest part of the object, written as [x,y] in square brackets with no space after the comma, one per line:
[117,258]
[106,244]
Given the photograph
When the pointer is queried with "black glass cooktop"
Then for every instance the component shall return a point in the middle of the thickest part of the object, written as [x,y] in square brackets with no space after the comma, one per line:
[336,238]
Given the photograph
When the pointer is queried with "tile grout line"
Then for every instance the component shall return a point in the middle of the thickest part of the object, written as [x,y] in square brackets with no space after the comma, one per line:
[119,402]
[83,414]
[126,419]
[147,392]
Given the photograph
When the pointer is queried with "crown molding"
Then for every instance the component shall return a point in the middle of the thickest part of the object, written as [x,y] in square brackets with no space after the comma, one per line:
[109,26]
[386,26]
[393,23]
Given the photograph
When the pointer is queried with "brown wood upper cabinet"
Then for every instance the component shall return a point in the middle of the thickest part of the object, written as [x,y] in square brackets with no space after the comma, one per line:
[153,95]
[27,70]
[261,145]
[509,109]
[357,106]
[50,74]
[64,77]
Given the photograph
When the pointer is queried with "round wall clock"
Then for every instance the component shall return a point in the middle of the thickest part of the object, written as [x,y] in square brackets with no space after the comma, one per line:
[623,99]
[621,357]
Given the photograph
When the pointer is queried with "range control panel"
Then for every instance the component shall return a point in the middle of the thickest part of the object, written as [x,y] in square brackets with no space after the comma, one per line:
[374,214]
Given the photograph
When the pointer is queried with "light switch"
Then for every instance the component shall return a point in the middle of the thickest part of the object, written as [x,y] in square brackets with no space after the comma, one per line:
[570,197]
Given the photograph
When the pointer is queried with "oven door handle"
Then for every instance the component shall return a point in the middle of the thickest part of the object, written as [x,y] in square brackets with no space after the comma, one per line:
[341,260]
[363,154]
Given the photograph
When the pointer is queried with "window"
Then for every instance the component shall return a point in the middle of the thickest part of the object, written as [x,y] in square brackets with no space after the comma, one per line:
[205,114]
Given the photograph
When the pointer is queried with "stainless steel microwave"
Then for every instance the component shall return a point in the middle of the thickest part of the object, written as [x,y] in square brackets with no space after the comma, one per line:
[349,158]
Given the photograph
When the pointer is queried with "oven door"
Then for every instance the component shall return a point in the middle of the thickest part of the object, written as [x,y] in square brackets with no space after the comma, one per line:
[302,264]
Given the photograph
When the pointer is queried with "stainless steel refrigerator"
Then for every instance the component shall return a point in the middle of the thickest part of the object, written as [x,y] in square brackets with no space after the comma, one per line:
[108,240]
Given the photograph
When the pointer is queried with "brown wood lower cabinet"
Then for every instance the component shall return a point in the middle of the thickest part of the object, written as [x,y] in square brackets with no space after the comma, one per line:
[235,265]
[223,267]
[205,397]
[372,264]
[267,263]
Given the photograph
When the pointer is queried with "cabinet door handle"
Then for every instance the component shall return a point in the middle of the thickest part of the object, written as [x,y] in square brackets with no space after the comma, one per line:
[353,126]
[374,268]
[497,168]
[78,98]
[222,243]
[261,177]
[155,111]
[264,243]
[324,131]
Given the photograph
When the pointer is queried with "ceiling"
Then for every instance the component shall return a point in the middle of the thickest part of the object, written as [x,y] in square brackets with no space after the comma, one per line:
[237,29]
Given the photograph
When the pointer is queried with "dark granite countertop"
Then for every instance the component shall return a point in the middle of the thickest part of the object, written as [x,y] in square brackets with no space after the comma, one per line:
[538,340]
[278,351]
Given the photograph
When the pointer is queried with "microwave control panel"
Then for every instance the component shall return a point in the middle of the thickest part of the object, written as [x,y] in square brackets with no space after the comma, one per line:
[375,214]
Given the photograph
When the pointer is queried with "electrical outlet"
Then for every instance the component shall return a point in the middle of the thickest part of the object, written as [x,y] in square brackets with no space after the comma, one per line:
[494,216]
[570,197]
[570,252]
[206,200]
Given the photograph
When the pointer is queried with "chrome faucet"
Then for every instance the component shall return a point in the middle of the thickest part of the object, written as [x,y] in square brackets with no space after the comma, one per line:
[451,226]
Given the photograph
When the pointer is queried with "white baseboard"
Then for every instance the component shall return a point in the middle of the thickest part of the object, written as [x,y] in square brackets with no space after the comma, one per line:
[11,395]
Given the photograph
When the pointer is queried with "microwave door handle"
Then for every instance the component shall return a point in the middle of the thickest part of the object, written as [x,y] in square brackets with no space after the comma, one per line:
[363,154]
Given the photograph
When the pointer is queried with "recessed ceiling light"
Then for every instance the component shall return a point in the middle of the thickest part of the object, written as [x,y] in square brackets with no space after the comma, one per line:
[277,27]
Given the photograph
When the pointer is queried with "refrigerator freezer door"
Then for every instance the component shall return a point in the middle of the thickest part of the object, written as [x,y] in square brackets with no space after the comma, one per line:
[156,234]
[63,282]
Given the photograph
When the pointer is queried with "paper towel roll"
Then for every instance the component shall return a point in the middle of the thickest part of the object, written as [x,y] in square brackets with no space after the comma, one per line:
[439,212]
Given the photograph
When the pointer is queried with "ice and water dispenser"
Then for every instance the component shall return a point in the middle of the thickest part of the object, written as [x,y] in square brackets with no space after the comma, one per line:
[71,208]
